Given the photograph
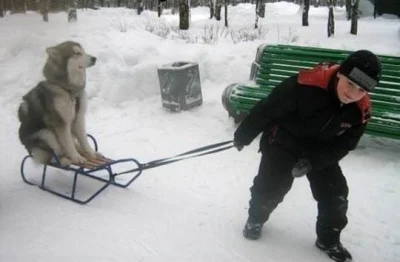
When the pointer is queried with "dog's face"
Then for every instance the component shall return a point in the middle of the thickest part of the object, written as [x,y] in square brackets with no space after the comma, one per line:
[69,59]
[79,60]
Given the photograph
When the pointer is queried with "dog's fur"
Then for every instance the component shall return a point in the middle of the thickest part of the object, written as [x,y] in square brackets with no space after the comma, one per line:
[52,114]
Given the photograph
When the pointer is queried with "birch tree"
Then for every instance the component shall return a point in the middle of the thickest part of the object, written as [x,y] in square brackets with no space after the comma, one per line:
[331,19]
[354,16]
[306,7]
[256,22]
[261,8]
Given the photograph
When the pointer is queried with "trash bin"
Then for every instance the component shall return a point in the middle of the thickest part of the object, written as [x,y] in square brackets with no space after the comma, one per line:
[180,85]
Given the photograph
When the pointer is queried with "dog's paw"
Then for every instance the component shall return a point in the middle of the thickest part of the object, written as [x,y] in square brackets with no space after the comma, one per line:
[99,155]
[78,159]
[93,155]
[65,161]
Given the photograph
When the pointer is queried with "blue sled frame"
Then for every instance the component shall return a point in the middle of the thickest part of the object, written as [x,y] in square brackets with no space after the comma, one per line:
[81,171]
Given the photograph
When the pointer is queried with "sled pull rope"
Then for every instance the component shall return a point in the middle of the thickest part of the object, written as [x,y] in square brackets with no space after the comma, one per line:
[201,151]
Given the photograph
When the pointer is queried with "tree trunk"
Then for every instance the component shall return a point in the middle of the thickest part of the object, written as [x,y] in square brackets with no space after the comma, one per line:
[306,7]
[140,7]
[256,22]
[159,8]
[72,13]
[173,7]
[184,12]
[212,8]
[44,9]
[331,19]
[226,13]
[261,8]
[218,6]
[348,9]
[354,16]
[1,8]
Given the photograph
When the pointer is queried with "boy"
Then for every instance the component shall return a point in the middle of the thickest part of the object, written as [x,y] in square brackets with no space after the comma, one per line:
[310,122]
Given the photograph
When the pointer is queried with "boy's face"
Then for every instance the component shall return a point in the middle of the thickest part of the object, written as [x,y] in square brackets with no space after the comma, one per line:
[348,91]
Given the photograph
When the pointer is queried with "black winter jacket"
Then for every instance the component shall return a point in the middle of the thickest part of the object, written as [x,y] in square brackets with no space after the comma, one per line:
[304,116]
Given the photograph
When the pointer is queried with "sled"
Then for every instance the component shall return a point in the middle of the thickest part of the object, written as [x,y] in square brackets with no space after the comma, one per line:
[103,169]
[100,169]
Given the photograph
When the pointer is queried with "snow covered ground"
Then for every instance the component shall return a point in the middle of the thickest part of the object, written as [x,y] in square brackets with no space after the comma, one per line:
[192,210]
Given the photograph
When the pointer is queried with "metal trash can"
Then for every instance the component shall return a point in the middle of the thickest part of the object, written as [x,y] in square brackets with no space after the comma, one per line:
[180,85]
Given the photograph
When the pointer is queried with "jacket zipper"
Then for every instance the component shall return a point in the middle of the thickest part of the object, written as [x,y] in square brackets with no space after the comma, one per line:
[328,122]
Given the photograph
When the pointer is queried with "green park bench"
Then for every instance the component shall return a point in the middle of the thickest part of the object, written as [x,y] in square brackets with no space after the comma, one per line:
[274,63]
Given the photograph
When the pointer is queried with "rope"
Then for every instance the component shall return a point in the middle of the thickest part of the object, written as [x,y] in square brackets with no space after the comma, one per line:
[201,151]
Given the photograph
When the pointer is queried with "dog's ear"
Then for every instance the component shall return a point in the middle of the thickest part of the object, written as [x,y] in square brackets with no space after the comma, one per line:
[53,53]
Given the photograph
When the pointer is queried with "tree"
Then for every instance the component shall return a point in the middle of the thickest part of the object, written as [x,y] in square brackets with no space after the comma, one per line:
[211,3]
[18,6]
[331,19]
[184,14]
[72,13]
[44,6]
[159,7]
[218,6]
[140,7]
[256,22]
[348,9]
[306,7]
[1,8]
[261,8]
[226,12]
[354,16]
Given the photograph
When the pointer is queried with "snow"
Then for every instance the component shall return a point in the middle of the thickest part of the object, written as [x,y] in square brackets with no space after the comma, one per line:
[192,210]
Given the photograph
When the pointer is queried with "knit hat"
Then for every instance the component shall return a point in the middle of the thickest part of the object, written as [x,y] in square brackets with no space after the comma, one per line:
[363,68]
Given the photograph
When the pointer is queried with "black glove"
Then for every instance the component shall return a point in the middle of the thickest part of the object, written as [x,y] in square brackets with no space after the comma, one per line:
[239,146]
[301,168]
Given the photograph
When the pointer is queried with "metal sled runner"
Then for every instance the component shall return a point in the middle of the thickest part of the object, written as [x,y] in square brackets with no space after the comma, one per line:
[102,170]
[90,170]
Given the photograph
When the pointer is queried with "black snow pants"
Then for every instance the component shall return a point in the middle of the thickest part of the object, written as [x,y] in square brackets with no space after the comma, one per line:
[328,186]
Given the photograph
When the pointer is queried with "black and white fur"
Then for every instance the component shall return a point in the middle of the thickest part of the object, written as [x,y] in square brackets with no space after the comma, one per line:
[52,114]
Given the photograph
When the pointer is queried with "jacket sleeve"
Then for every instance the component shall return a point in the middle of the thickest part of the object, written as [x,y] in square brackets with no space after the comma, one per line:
[277,104]
[334,151]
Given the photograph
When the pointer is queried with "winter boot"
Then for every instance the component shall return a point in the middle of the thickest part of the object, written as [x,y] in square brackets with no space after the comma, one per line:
[336,251]
[252,230]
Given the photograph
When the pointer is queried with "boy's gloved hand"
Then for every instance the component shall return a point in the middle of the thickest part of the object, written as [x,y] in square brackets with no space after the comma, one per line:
[239,146]
[301,168]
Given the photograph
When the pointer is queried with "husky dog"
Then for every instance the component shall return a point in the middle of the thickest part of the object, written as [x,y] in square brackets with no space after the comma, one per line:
[52,114]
